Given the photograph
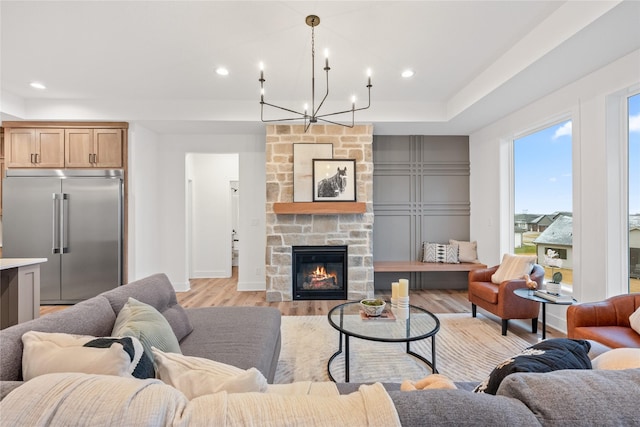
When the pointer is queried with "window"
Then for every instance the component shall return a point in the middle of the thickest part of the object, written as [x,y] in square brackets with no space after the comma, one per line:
[543,219]
[633,108]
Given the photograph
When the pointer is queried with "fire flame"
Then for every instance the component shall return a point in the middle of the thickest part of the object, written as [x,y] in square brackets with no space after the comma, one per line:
[321,273]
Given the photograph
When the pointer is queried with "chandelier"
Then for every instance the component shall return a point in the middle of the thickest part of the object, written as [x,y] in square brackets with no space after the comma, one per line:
[313,115]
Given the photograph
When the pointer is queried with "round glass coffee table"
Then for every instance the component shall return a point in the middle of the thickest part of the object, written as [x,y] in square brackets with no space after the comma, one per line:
[412,324]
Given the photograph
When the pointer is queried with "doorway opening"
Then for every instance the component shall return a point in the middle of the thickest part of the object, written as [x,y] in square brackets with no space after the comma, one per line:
[209,213]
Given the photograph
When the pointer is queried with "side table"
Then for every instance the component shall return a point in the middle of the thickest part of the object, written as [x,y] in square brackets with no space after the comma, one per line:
[528,294]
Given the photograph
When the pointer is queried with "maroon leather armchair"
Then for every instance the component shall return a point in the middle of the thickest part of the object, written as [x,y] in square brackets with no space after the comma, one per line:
[500,299]
[605,321]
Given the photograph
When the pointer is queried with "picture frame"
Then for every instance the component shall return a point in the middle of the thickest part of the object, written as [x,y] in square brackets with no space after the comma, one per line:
[303,155]
[334,180]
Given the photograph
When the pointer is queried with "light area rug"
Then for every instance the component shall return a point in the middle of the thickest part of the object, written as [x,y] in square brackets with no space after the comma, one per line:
[467,349]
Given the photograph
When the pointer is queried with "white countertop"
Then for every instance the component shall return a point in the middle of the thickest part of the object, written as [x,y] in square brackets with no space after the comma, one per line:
[7,263]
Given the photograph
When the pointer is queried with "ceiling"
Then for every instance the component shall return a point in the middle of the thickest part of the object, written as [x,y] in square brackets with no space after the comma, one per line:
[153,62]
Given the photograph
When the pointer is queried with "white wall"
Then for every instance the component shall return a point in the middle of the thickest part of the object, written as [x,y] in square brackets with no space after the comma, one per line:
[211,213]
[597,168]
[144,229]
[165,213]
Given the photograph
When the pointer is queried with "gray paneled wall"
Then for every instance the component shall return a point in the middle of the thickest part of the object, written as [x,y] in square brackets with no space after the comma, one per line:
[420,193]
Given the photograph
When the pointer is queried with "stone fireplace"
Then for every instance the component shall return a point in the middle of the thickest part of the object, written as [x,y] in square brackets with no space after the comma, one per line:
[319,223]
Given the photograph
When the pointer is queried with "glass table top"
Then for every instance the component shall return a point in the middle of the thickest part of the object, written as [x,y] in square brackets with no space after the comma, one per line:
[410,324]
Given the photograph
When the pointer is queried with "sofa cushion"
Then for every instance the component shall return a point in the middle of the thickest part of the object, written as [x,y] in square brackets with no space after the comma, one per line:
[467,251]
[158,292]
[578,397]
[546,356]
[513,267]
[618,358]
[245,337]
[197,376]
[140,320]
[91,317]
[459,408]
[46,353]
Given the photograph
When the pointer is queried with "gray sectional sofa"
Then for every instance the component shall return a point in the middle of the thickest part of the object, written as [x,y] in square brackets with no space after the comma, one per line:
[250,337]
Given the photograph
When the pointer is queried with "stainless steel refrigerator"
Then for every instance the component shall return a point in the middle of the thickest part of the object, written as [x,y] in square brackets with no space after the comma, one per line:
[74,218]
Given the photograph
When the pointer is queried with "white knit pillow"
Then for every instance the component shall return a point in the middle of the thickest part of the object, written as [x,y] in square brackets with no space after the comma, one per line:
[513,267]
[46,353]
[634,319]
[618,358]
[196,376]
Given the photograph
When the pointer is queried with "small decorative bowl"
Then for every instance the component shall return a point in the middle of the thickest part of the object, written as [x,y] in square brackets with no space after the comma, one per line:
[372,306]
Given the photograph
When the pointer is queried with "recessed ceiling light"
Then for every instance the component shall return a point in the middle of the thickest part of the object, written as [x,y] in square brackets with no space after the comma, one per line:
[408,73]
[37,85]
[222,71]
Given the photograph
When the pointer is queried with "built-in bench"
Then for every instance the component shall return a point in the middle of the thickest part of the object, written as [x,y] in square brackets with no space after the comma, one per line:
[419,266]
[423,275]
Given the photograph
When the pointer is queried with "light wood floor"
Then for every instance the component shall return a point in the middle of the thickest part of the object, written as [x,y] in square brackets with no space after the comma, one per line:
[222,292]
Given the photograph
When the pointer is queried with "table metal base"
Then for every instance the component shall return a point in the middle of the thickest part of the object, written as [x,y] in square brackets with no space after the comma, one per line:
[431,364]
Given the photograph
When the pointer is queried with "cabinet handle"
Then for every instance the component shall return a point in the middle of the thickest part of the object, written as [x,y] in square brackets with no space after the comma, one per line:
[37,159]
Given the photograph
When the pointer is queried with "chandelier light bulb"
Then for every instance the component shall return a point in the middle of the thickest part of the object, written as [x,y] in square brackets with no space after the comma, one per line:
[306,108]
[326,58]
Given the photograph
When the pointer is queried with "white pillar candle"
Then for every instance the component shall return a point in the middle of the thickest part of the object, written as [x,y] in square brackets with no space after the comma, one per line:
[394,290]
[403,290]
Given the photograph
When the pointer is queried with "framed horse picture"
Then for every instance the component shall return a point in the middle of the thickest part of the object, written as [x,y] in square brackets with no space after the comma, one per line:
[334,180]
[303,155]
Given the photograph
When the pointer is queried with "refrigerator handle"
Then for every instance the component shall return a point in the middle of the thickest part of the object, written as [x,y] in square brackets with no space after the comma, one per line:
[64,230]
[55,226]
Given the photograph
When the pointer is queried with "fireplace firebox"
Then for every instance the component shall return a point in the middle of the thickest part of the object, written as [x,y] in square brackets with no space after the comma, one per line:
[319,272]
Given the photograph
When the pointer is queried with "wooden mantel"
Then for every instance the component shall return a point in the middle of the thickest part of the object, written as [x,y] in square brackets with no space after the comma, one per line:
[319,208]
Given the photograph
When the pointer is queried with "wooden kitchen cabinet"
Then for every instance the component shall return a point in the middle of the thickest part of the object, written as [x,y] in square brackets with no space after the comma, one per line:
[1,179]
[100,148]
[29,148]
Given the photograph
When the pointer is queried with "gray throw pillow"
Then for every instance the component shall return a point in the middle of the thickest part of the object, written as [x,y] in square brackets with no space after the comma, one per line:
[140,320]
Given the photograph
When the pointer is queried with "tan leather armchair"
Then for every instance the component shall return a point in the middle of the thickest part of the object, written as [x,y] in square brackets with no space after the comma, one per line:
[605,321]
[500,299]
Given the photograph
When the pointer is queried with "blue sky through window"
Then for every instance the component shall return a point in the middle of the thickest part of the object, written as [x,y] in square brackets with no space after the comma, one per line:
[542,171]
[634,154]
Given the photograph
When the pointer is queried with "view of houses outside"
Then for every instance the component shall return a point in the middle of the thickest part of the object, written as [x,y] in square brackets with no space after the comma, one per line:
[543,218]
